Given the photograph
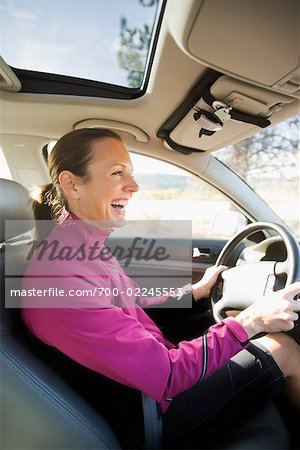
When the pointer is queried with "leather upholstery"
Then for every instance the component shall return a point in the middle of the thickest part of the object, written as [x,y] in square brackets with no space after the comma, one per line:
[38,409]
[14,207]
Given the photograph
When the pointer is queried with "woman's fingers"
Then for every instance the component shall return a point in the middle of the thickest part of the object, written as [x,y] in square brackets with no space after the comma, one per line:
[291,291]
[202,288]
[294,316]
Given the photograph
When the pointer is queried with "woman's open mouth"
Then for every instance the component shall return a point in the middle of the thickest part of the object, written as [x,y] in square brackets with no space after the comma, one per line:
[119,206]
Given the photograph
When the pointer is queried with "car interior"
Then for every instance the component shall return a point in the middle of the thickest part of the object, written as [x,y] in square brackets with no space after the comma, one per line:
[215,73]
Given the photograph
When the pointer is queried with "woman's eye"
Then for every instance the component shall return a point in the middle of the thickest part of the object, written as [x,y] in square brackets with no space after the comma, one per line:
[119,172]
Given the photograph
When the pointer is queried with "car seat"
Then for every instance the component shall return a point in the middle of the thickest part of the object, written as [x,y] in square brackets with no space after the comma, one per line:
[39,410]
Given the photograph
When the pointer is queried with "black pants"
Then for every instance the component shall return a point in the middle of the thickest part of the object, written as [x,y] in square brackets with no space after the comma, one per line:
[217,408]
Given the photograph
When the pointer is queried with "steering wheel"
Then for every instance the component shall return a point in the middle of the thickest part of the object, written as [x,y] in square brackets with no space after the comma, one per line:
[252,277]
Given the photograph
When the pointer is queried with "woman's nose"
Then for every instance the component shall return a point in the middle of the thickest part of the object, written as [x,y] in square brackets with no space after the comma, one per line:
[132,185]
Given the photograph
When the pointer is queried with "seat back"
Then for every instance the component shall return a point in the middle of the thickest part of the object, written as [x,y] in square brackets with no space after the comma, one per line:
[39,410]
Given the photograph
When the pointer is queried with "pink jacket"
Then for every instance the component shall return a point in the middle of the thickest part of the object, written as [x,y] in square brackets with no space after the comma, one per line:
[112,334]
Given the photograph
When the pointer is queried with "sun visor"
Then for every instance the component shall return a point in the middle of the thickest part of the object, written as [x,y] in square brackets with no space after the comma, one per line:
[255,40]
[218,109]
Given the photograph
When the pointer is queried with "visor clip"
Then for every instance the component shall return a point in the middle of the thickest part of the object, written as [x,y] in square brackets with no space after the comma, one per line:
[208,122]
[222,111]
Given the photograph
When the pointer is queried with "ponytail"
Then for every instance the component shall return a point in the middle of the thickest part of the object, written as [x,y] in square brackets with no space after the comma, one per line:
[46,208]
[40,204]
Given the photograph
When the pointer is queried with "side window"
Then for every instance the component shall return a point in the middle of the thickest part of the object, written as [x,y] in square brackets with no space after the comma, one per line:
[4,169]
[170,193]
[269,162]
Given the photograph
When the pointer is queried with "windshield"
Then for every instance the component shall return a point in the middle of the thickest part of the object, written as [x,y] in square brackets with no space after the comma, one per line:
[269,163]
[107,40]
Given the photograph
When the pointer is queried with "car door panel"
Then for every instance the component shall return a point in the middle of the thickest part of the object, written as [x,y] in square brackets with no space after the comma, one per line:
[204,254]
[186,262]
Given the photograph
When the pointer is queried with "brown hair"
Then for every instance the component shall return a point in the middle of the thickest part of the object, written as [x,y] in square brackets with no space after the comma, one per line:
[72,152]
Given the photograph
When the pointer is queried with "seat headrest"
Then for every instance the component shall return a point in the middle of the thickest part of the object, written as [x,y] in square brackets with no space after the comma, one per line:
[14,205]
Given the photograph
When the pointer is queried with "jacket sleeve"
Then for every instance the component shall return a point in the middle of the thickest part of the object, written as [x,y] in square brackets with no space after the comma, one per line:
[115,344]
[170,298]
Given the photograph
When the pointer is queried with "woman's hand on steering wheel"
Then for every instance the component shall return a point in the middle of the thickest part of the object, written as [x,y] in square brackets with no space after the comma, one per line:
[202,288]
[255,278]
[274,312]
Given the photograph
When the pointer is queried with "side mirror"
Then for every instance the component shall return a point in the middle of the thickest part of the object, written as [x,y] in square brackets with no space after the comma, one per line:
[228,223]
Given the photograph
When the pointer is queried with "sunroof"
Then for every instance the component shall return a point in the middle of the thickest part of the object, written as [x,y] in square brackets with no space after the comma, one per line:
[100,40]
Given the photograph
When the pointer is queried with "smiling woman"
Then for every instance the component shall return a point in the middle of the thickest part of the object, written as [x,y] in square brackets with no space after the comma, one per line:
[107,330]
[75,177]
[177,80]
[104,192]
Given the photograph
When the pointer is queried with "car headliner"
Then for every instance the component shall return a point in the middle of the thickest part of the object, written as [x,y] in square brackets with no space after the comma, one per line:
[183,49]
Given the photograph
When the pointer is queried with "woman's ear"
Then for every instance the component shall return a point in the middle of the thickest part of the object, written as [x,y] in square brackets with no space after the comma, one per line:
[69,183]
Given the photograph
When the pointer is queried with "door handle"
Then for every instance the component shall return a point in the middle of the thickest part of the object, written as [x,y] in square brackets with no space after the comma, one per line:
[201,252]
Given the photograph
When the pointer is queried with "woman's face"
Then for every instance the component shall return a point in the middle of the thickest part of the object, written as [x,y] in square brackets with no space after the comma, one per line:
[110,185]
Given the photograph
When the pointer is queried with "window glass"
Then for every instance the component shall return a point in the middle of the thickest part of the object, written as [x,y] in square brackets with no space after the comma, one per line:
[269,163]
[170,193]
[101,40]
[4,169]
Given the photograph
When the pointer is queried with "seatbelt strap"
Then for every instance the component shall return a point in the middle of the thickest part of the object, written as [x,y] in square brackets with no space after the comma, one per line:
[152,423]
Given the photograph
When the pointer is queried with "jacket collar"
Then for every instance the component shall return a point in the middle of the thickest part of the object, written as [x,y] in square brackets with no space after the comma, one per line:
[92,230]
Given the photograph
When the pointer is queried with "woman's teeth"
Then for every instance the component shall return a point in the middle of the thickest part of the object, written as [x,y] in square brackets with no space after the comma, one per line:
[119,204]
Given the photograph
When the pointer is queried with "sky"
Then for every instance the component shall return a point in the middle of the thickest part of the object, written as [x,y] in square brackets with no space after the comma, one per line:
[70,37]
[36,35]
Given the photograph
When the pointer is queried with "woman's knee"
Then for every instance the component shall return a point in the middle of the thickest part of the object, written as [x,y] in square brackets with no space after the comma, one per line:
[285,351]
